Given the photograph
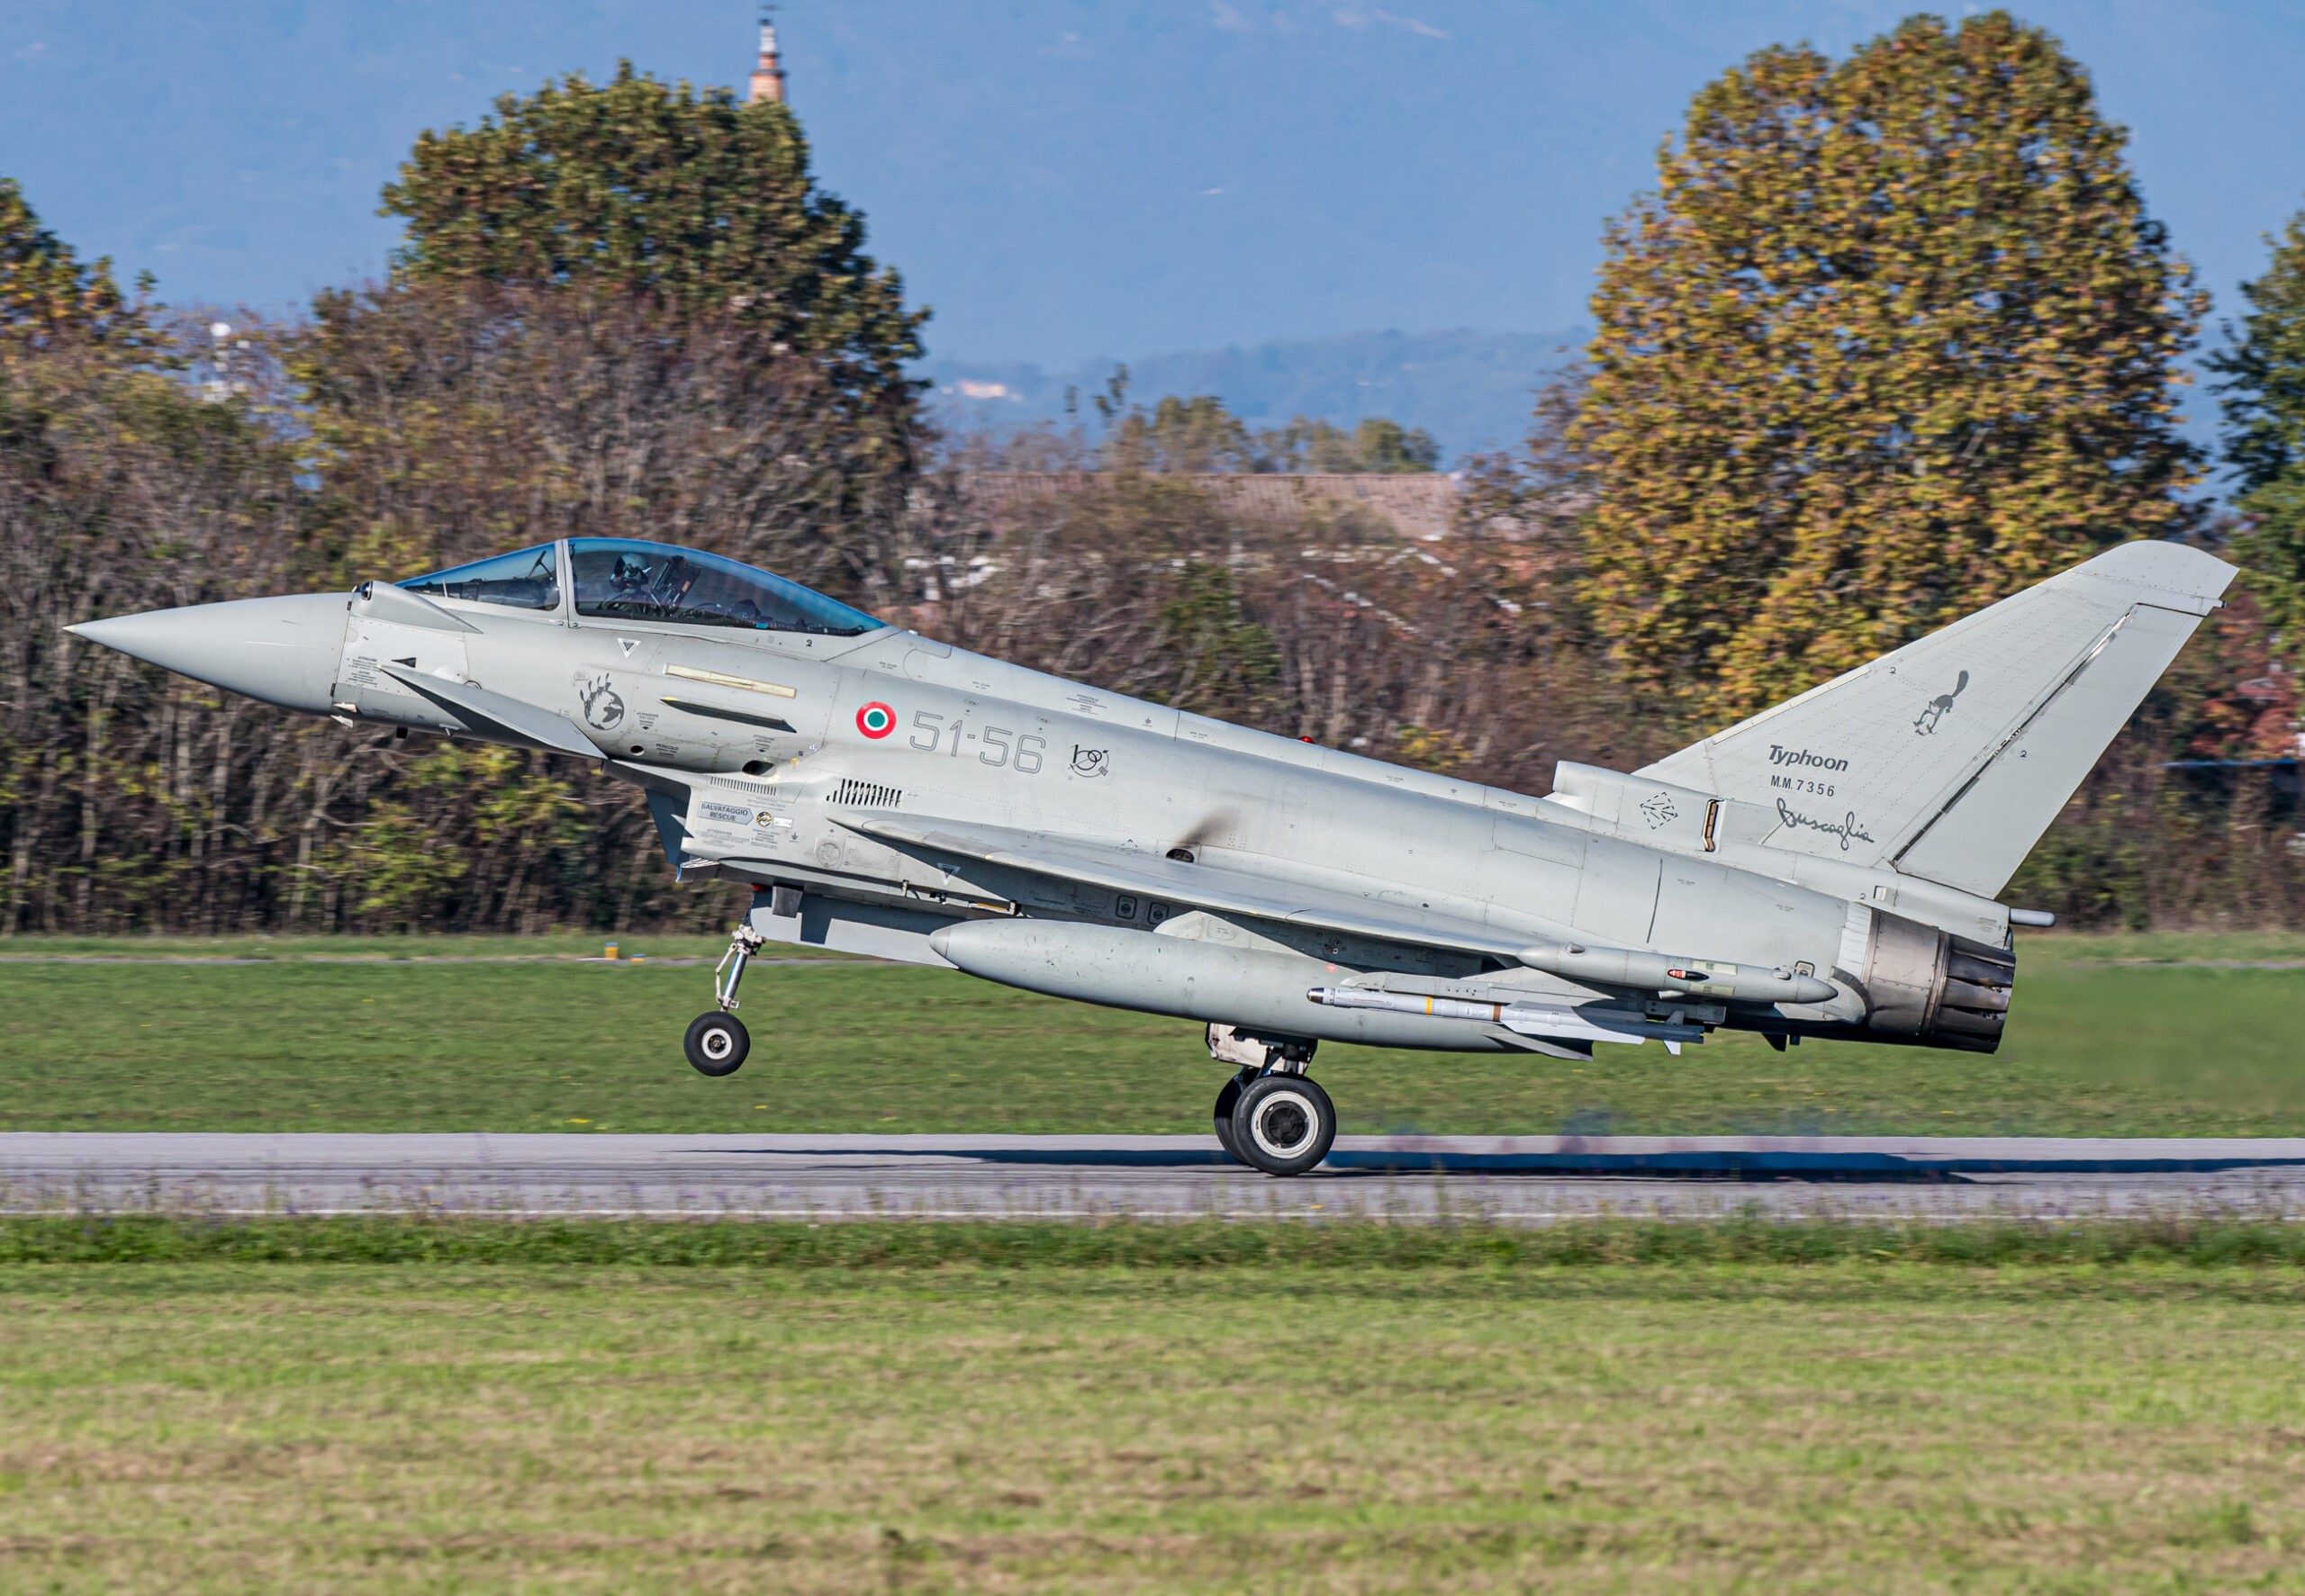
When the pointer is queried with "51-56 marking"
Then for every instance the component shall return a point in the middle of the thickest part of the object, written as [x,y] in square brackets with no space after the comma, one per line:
[1001,746]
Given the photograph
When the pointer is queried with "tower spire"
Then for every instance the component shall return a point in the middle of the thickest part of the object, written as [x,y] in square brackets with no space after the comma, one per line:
[768,72]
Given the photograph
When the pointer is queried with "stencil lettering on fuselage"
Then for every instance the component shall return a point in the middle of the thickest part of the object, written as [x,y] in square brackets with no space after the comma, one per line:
[371,644]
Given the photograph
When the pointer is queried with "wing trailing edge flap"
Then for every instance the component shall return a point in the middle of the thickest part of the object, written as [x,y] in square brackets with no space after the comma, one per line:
[1213,887]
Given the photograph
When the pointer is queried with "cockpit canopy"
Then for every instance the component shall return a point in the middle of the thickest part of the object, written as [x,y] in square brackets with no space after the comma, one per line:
[625,579]
[523,581]
[619,578]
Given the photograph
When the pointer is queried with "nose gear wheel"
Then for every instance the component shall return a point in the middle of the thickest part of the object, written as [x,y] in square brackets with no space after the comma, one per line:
[716,1043]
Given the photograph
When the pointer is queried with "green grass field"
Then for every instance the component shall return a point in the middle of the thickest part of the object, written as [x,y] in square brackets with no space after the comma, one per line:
[2111,1036]
[1492,1418]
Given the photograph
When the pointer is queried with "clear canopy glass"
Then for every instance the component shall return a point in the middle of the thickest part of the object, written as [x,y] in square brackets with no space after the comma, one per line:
[524,580]
[621,578]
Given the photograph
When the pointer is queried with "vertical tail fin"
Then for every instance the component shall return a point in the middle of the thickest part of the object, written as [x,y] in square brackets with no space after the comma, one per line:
[1949,757]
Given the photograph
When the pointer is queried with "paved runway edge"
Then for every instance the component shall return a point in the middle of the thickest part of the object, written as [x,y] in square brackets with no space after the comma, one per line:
[1512,1179]
[1856,1157]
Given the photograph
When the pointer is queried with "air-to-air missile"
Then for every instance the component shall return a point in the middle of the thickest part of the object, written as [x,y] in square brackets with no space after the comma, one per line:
[1827,869]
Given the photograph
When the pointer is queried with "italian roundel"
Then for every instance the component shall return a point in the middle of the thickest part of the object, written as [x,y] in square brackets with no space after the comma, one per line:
[876,721]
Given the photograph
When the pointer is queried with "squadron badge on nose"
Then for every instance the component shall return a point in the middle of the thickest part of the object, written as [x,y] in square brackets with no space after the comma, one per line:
[603,709]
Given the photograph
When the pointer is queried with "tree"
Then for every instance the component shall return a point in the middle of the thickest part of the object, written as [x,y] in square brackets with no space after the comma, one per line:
[1385,446]
[2264,372]
[1376,444]
[1893,338]
[46,289]
[689,198]
[450,421]
[1179,436]
[1194,435]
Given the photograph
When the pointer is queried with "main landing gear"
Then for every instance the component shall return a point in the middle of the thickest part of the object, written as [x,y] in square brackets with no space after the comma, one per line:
[1271,1115]
[717,1043]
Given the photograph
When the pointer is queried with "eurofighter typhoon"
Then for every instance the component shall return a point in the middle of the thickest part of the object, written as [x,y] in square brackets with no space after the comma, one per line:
[1826,869]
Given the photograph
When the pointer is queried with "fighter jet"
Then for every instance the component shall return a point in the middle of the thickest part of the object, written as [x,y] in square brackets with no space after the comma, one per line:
[1829,868]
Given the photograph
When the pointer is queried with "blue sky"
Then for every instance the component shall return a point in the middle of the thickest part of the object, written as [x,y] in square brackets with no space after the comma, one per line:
[1061,180]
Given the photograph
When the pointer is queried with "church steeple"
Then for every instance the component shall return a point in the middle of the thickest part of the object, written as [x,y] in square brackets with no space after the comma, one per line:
[768,72]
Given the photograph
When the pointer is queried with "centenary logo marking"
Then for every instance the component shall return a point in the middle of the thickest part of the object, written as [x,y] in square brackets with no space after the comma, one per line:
[876,721]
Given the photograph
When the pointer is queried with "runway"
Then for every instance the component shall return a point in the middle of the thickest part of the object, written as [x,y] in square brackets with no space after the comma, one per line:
[1412,1178]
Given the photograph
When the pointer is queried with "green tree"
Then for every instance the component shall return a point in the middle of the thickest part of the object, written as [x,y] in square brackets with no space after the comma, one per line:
[44,287]
[1384,444]
[691,198]
[2262,369]
[1378,444]
[1222,663]
[1894,337]
[1178,436]
[1199,435]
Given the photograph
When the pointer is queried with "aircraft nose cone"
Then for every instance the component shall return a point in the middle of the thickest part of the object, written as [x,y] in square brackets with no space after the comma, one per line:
[284,650]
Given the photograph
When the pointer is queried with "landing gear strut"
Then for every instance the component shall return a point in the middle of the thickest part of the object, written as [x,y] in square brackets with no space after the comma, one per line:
[717,1043]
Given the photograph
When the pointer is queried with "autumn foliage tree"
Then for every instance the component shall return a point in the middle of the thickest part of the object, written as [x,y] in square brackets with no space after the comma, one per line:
[2263,373]
[447,422]
[1894,338]
[688,199]
[45,289]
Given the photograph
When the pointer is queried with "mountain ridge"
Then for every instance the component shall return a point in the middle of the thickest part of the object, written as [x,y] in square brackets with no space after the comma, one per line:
[1471,390]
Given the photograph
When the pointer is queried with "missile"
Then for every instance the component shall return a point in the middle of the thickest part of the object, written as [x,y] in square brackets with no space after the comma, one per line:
[1660,972]
[1409,1003]
[1553,1020]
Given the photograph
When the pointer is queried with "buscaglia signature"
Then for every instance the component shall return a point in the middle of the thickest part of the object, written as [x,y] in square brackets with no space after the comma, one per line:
[1847,828]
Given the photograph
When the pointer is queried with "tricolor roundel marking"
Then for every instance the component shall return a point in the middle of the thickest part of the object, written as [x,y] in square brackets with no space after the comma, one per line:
[876,720]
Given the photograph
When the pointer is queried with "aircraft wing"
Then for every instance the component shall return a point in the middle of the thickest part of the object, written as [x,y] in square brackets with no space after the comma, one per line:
[1224,888]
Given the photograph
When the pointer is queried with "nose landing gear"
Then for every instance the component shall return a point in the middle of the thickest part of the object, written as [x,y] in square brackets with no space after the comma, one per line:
[717,1043]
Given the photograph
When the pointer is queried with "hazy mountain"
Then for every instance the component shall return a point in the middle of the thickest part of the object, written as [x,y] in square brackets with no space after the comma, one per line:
[1469,390]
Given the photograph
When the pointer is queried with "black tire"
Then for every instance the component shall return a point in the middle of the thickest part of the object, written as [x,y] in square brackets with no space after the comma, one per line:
[1283,1124]
[1226,1099]
[717,1044]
